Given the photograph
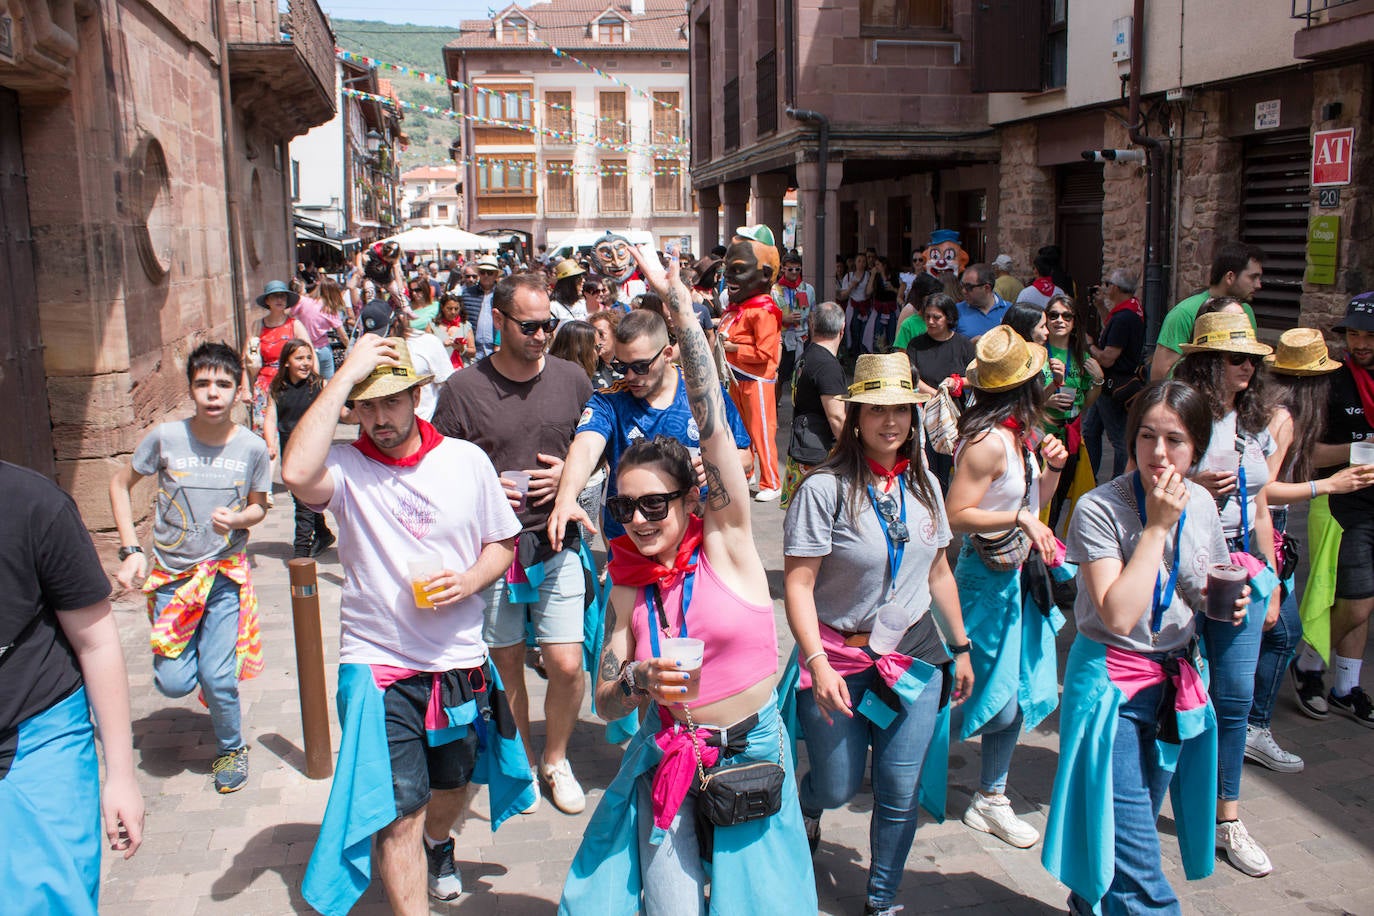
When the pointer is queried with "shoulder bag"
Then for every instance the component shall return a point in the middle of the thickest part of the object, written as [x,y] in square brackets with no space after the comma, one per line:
[730,794]
[1006,552]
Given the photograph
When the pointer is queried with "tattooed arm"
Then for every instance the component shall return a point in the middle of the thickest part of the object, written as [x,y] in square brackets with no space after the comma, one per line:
[728,500]
[611,701]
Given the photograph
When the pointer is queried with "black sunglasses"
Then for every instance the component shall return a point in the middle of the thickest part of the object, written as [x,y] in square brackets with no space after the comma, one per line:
[1067,316]
[973,285]
[653,506]
[530,328]
[639,366]
[1240,359]
[896,528]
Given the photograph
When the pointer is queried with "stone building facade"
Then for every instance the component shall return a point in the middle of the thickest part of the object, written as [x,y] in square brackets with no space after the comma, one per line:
[137,219]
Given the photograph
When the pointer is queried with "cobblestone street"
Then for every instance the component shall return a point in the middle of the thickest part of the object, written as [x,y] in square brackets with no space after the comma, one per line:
[246,853]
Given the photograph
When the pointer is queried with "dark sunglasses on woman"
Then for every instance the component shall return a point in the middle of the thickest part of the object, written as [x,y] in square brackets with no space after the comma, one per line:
[1240,359]
[1055,316]
[653,506]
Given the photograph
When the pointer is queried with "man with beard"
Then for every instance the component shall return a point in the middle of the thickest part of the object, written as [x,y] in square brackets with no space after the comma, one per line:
[751,331]
[411,614]
[1237,272]
[521,407]
[476,298]
[650,401]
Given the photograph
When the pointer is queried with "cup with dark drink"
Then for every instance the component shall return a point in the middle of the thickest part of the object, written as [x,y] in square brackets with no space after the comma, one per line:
[1225,584]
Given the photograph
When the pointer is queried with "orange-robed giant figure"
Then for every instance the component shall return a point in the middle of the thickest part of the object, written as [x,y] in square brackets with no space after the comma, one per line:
[751,329]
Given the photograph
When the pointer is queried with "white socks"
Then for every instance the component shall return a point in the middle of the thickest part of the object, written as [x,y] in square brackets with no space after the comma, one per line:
[1309,659]
[432,843]
[1347,675]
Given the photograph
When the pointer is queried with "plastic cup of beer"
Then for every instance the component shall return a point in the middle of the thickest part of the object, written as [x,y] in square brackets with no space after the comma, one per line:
[521,481]
[1362,452]
[889,626]
[421,570]
[688,653]
[1228,462]
[1225,582]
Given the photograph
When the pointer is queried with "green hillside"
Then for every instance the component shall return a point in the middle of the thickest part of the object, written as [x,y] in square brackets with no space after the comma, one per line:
[420,47]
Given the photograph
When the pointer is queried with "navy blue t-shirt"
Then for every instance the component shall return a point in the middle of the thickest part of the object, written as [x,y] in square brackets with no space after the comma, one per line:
[622,419]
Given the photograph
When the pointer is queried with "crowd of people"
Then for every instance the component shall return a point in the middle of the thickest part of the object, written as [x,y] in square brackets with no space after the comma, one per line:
[947,429]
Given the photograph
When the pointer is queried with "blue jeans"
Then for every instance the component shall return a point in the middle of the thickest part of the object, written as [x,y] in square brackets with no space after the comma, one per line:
[1106,416]
[1233,652]
[1277,646]
[1138,787]
[838,752]
[325,355]
[207,660]
[998,738]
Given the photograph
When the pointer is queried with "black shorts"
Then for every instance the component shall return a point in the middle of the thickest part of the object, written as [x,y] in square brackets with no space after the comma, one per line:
[417,768]
[1355,562]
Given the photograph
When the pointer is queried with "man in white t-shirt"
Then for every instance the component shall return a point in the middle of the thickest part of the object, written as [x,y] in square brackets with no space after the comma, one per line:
[430,358]
[403,494]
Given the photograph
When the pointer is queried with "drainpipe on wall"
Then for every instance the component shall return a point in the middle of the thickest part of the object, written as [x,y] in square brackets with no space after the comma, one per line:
[822,123]
[1154,191]
[231,194]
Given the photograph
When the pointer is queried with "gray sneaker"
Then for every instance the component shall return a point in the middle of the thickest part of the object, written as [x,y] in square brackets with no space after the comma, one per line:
[1261,747]
[231,771]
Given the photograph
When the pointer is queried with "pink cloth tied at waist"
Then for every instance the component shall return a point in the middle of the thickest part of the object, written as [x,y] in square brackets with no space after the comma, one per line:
[673,779]
[847,660]
[1133,673]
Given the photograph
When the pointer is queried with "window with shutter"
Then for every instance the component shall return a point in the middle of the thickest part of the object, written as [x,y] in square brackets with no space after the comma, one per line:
[667,118]
[615,186]
[558,114]
[1007,44]
[903,14]
[667,185]
[612,125]
[558,186]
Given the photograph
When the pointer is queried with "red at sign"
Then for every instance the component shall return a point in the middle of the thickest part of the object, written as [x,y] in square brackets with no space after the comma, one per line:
[1331,154]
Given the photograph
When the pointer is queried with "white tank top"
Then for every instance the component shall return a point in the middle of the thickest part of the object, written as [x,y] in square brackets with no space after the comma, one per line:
[1005,492]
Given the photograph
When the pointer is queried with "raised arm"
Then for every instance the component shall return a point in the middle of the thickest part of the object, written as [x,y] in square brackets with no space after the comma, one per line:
[727,503]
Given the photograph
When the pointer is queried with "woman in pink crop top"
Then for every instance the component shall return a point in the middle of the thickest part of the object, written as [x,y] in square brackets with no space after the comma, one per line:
[666,555]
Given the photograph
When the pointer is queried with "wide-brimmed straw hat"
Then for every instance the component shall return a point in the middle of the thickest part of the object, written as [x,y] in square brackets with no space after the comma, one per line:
[1004,359]
[275,287]
[567,268]
[385,381]
[487,262]
[1302,351]
[1225,332]
[883,378]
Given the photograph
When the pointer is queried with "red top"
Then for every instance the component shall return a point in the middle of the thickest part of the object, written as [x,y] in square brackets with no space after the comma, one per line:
[270,344]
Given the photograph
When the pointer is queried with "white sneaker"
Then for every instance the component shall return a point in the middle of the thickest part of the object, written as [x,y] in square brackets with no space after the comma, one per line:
[444,881]
[1261,747]
[534,805]
[766,496]
[1241,849]
[992,814]
[563,788]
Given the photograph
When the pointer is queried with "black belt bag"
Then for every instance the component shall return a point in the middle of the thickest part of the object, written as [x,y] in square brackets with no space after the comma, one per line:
[728,794]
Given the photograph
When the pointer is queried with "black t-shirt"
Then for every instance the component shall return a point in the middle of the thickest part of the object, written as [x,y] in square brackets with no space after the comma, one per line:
[295,399]
[47,565]
[1346,422]
[820,373]
[936,360]
[1126,330]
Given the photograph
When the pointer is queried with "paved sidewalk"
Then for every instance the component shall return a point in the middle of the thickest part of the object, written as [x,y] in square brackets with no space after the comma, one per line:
[246,853]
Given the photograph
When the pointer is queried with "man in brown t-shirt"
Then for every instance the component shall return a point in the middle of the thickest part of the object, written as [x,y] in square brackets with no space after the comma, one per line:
[522,407]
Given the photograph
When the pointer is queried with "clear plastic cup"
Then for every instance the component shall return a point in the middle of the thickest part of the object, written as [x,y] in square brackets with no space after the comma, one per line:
[1225,582]
[521,481]
[1228,462]
[1362,452]
[421,569]
[889,626]
[688,653]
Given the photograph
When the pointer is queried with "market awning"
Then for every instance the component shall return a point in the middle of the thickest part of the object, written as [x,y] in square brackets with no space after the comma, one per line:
[305,235]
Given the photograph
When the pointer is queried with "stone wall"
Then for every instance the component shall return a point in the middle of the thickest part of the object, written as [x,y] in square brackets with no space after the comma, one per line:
[1025,214]
[1209,176]
[1124,188]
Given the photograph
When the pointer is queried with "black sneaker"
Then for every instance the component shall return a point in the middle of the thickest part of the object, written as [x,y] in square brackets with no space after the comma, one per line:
[1355,704]
[1311,692]
[813,832]
[322,543]
[231,771]
[444,881]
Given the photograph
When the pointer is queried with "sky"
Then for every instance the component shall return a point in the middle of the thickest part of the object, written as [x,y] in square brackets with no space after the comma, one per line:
[443,13]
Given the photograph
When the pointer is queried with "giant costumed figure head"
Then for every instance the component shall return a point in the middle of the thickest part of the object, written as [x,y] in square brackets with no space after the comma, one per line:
[944,254]
[751,264]
[612,259]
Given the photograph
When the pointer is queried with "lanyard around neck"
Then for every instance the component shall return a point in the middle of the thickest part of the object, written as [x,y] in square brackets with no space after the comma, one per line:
[651,608]
[897,548]
[1164,593]
[1244,497]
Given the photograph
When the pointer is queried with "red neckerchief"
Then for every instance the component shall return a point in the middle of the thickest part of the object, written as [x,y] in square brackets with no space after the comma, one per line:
[1128,305]
[429,441]
[1016,428]
[1045,285]
[888,477]
[761,301]
[790,284]
[1364,386]
[630,567]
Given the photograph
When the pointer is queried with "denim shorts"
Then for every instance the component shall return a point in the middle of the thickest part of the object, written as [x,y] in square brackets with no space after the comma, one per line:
[417,768]
[557,616]
[1355,563]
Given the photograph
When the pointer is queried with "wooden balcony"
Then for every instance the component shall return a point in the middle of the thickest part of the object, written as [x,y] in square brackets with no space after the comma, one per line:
[281,66]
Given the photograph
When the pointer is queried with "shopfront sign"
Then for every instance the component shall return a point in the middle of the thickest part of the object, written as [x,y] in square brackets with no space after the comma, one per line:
[1332,151]
[1323,238]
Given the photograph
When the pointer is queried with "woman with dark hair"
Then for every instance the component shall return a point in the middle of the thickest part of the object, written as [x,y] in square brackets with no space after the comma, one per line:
[994,499]
[565,297]
[1223,363]
[1136,718]
[604,323]
[422,302]
[676,574]
[937,353]
[1029,321]
[864,539]
[593,297]
[1083,379]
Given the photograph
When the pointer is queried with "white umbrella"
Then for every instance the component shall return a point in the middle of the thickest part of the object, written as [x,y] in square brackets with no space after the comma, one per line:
[443,238]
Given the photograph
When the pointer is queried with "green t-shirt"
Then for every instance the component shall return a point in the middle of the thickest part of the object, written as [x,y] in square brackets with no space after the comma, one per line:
[1177,329]
[911,329]
[1075,377]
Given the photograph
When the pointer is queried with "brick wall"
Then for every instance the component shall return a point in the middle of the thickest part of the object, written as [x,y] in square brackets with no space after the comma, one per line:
[1208,212]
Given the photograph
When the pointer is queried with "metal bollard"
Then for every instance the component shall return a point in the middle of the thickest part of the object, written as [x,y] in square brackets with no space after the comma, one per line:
[305,620]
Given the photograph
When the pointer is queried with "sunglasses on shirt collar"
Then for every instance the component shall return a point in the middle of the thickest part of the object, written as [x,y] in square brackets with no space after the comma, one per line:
[653,506]
[530,328]
[639,366]
[887,507]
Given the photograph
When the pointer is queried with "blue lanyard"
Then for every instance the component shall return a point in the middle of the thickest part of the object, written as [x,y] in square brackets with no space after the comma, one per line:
[1244,509]
[1164,593]
[651,605]
[894,550]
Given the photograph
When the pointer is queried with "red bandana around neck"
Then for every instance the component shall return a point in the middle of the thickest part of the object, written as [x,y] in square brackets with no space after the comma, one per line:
[630,567]
[790,284]
[1044,284]
[429,441]
[761,301]
[888,477]
[1129,305]
[1364,385]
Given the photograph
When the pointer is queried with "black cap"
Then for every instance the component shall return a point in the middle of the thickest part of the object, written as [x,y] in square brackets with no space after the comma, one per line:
[1359,314]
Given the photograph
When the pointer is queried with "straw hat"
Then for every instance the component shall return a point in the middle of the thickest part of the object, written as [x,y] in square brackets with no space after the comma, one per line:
[883,378]
[385,381]
[487,262]
[1225,332]
[1302,351]
[1004,359]
[567,268]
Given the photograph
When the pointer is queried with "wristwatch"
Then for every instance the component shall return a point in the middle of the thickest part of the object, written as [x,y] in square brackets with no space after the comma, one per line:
[126,552]
[961,650]
[628,680]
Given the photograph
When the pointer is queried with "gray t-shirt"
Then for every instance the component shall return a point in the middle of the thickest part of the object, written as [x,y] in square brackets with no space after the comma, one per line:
[854,580]
[1258,447]
[1106,524]
[193,480]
